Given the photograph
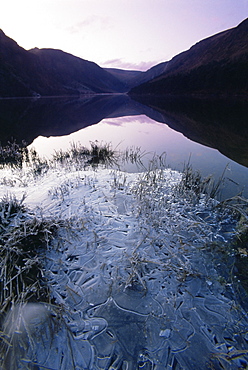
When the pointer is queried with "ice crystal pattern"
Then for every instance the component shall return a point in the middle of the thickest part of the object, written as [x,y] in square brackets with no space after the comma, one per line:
[140,278]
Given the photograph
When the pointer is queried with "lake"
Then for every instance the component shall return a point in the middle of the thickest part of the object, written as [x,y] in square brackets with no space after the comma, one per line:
[178,130]
[140,275]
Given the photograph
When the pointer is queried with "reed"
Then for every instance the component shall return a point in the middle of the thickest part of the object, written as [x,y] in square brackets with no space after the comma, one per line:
[23,241]
[13,154]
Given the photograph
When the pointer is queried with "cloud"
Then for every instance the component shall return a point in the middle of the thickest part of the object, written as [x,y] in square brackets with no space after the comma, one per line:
[93,21]
[120,63]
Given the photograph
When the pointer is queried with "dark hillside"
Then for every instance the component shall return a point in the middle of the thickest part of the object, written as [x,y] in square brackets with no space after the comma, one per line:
[49,72]
[21,73]
[216,65]
[77,74]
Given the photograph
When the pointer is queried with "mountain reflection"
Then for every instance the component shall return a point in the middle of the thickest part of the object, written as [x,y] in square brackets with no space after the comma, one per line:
[218,123]
[221,125]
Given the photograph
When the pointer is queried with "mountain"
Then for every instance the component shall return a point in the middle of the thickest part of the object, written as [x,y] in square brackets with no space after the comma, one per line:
[49,72]
[76,73]
[135,78]
[216,65]
[126,76]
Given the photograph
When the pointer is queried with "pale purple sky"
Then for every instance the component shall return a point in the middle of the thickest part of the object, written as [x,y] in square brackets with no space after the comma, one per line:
[130,34]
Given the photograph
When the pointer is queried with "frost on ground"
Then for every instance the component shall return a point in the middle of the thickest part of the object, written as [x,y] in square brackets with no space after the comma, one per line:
[140,276]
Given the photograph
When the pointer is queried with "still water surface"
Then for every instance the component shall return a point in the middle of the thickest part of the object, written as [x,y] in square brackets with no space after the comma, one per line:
[177,128]
[153,137]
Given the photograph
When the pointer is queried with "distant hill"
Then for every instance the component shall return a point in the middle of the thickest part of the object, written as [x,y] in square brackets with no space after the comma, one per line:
[216,65]
[125,75]
[49,72]
[135,78]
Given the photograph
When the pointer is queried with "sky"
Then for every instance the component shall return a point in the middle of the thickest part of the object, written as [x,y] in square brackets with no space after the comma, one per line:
[127,34]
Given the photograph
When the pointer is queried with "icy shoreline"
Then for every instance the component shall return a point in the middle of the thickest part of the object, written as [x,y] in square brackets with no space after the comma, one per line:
[137,273]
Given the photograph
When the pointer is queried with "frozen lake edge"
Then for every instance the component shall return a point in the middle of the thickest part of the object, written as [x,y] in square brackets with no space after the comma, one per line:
[138,273]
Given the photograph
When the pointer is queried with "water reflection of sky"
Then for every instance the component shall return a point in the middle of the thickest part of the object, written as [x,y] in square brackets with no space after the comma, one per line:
[151,136]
